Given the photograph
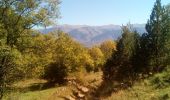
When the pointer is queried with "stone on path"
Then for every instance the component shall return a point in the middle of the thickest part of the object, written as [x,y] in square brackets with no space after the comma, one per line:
[71,98]
[81,95]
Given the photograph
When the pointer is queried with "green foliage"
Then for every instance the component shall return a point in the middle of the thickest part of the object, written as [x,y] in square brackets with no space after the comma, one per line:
[69,53]
[68,57]
[88,61]
[167,8]
[11,68]
[120,66]
[56,73]
[25,53]
[97,56]
[42,53]
[161,80]
[17,17]
[158,32]
[140,56]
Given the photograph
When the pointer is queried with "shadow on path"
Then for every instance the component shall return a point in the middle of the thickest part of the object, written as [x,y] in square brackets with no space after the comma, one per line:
[106,89]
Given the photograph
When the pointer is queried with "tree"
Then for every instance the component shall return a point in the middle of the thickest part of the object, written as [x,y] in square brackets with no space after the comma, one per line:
[17,17]
[167,8]
[167,28]
[39,55]
[69,57]
[158,31]
[120,66]
[97,57]
[87,60]
[107,48]
[142,56]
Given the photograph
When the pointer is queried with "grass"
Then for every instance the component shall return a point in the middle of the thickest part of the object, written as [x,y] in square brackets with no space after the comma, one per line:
[141,91]
[33,89]
[156,87]
[36,95]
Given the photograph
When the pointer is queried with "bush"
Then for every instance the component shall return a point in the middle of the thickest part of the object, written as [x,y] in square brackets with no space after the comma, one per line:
[55,73]
[10,67]
[161,80]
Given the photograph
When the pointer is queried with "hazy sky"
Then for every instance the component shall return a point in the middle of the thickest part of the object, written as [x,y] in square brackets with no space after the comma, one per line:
[102,12]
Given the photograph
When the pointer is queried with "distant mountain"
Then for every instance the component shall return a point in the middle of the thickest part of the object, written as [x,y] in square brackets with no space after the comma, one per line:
[90,35]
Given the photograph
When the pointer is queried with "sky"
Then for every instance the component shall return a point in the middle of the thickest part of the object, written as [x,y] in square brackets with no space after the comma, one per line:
[104,12]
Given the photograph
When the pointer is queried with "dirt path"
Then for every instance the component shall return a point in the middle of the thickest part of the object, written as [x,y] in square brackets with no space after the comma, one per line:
[78,91]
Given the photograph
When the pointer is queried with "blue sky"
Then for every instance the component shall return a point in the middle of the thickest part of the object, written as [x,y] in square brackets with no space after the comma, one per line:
[103,12]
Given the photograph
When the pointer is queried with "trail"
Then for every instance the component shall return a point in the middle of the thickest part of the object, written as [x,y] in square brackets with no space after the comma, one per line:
[77,90]
[79,93]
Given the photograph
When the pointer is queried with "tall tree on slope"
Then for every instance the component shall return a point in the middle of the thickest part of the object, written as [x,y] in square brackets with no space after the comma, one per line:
[158,31]
[17,17]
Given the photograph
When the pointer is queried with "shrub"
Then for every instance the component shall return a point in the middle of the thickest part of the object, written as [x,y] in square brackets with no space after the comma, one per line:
[55,73]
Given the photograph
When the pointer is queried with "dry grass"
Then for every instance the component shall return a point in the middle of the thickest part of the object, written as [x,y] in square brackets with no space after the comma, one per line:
[32,89]
[143,90]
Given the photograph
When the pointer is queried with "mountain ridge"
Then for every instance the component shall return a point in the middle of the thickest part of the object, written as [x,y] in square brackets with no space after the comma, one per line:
[92,35]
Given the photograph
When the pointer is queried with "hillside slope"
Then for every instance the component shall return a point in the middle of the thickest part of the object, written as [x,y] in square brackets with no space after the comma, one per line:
[156,87]
[91,35]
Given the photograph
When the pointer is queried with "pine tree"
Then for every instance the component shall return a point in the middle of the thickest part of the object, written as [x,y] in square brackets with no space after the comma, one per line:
[157,29]
[120,66]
